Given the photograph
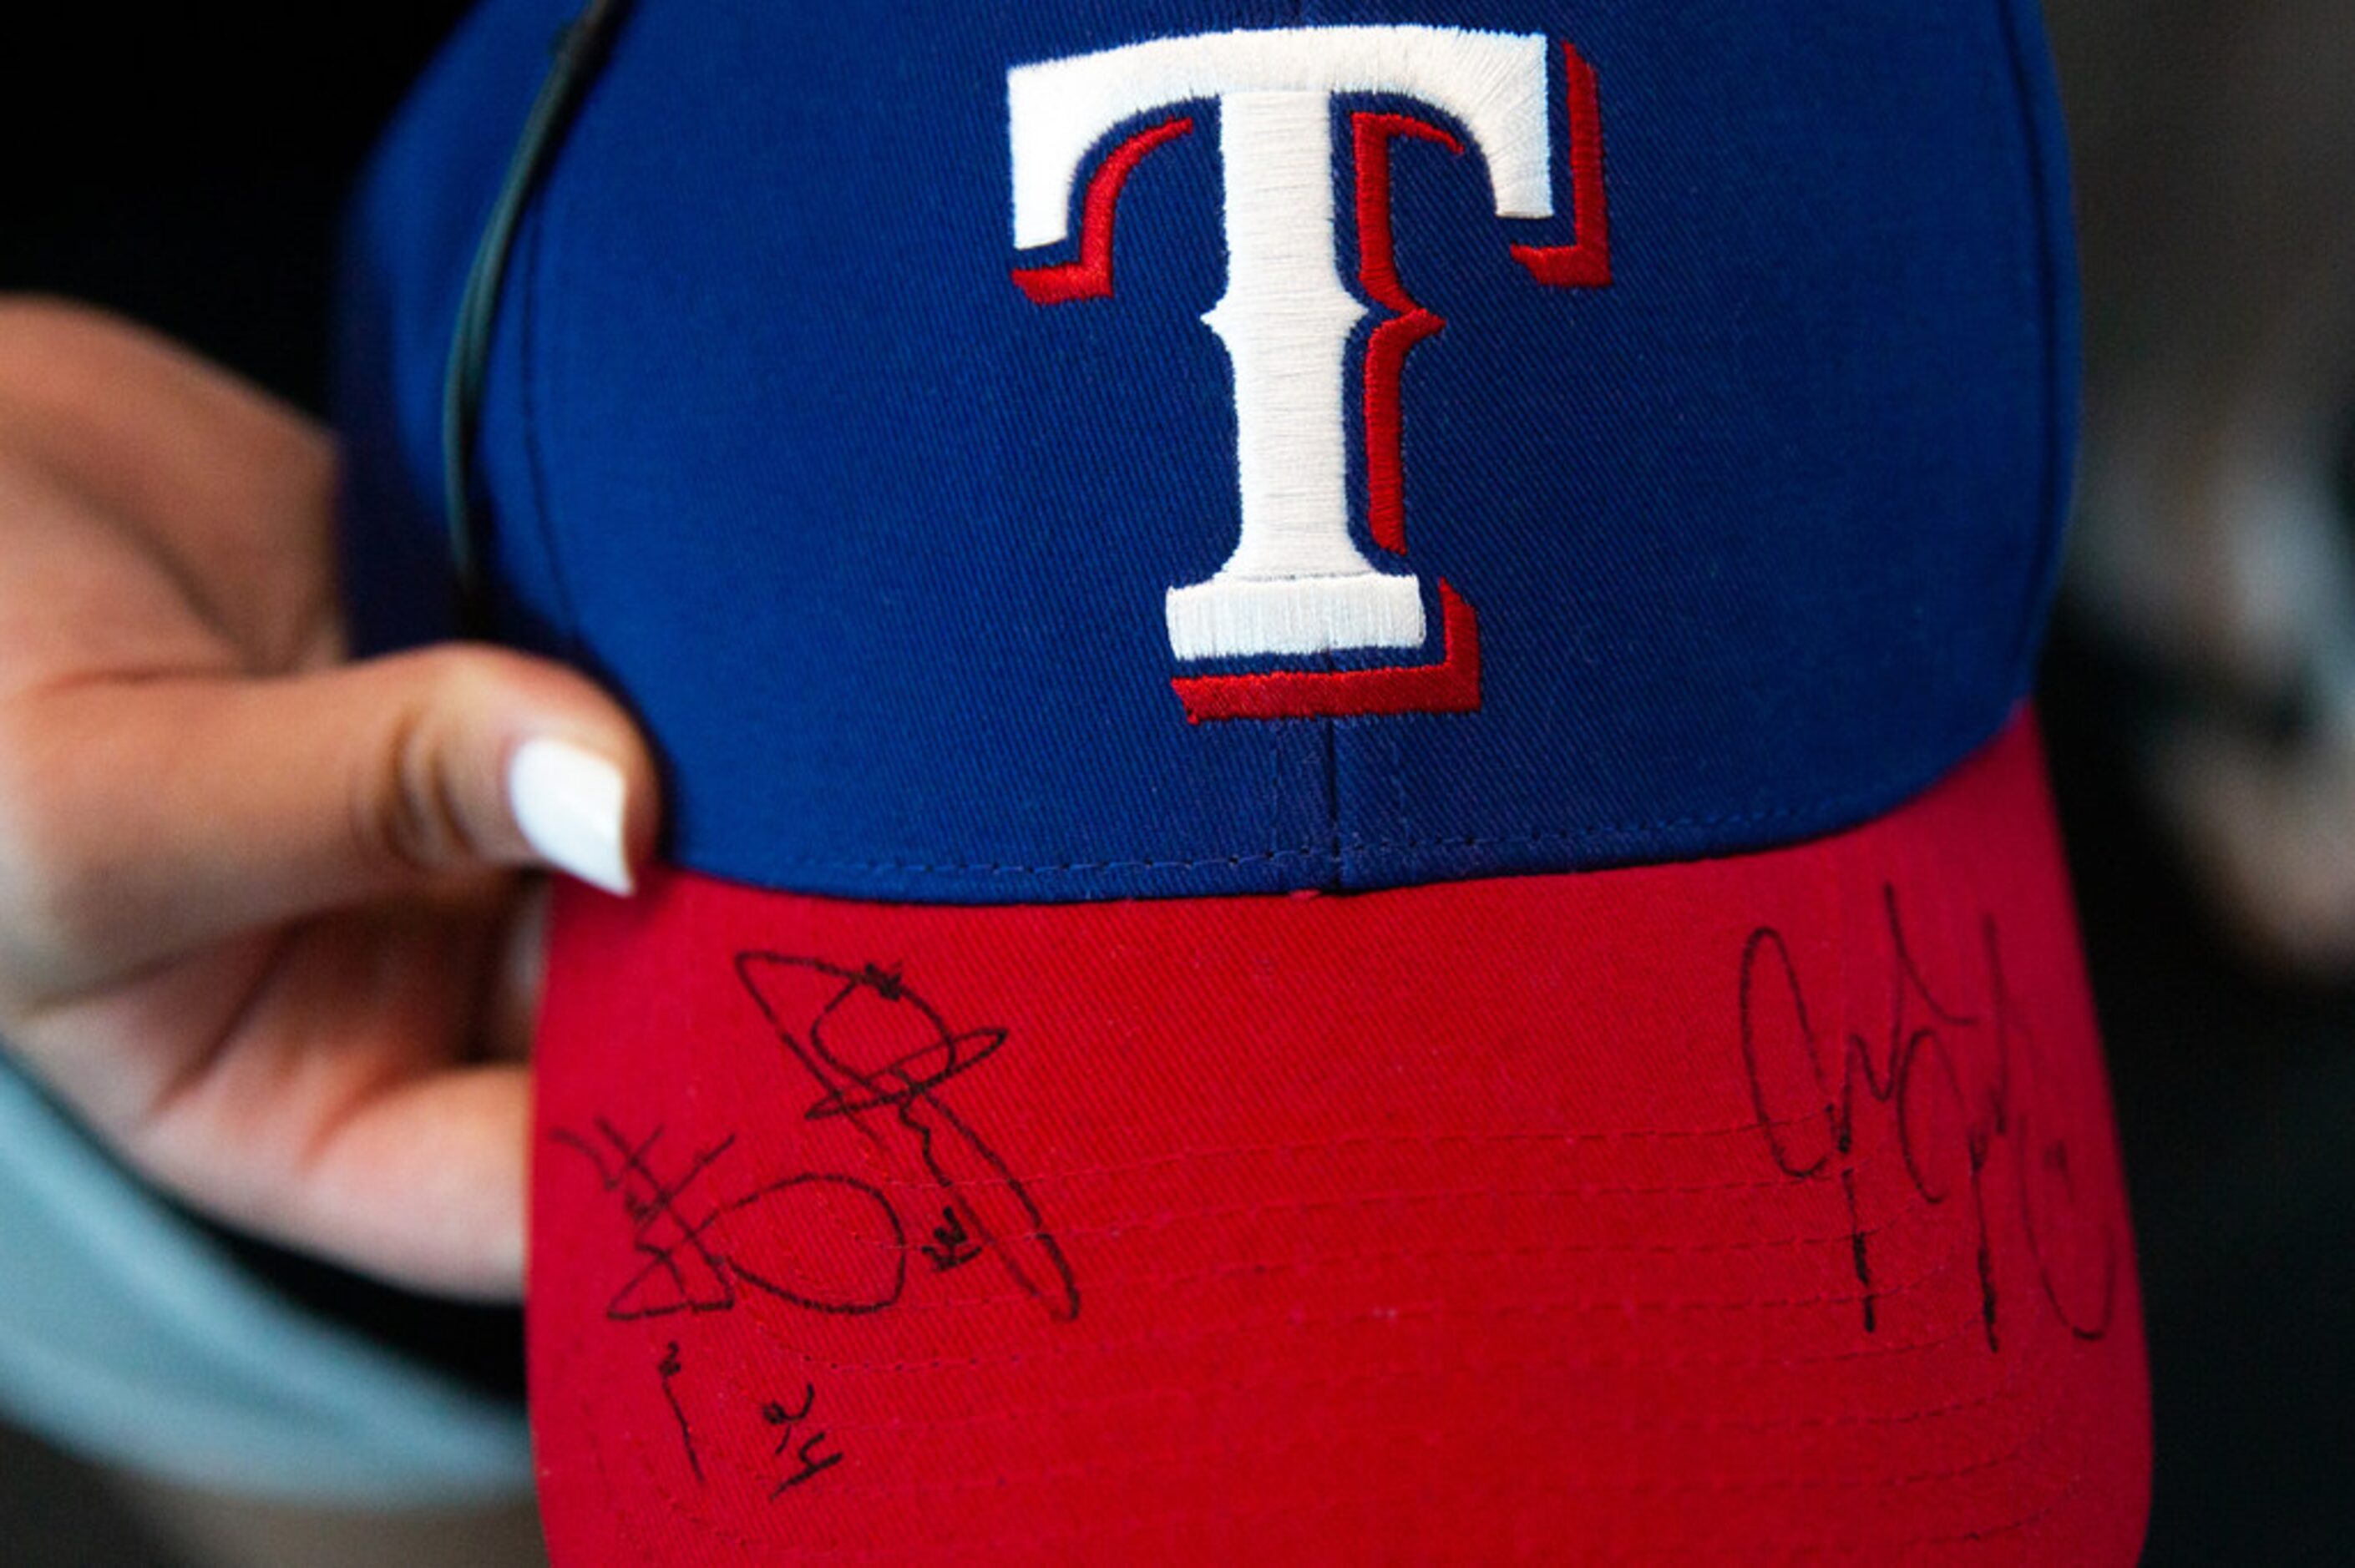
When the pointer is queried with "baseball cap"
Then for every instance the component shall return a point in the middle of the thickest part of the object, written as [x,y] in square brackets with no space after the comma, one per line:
[1358,871]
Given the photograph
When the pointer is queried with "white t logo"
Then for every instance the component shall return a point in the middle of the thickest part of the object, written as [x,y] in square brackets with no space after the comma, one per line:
[1297,583]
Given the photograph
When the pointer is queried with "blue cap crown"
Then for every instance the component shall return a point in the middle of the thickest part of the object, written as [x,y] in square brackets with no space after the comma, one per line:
[1109,449]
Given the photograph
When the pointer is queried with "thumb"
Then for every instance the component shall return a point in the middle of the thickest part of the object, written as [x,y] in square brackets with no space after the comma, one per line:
[169,813]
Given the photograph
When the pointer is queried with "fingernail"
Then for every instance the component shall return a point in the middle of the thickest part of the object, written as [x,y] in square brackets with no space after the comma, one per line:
[570,802]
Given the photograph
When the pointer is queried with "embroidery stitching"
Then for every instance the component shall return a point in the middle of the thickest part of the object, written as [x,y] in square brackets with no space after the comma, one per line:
[1090,277]
[1297,583]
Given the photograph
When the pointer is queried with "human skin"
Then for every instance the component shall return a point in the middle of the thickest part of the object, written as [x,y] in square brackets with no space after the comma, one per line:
[267,914]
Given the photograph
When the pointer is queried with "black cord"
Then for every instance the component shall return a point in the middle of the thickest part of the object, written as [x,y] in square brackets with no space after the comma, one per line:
[580,48]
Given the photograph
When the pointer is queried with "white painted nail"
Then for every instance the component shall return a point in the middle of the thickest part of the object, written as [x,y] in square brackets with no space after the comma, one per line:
[570,802]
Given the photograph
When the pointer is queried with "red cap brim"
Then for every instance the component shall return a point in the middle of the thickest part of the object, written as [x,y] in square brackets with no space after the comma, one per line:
[1711,1212]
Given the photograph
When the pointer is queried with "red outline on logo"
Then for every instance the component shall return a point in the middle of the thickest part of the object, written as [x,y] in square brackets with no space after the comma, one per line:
[1387,350]
[1586,264]
[1090,277]
[1450,686]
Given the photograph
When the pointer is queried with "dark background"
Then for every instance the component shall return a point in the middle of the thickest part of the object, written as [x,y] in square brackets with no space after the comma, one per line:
[188,169]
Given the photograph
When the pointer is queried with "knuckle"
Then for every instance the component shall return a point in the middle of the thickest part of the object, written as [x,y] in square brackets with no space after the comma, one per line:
[409,814]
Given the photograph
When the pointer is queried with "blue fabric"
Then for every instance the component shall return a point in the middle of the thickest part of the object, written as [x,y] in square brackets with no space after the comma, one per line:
[1761,536]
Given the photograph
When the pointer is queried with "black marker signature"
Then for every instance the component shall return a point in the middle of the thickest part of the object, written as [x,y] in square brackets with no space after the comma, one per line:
[669,1368]
[1907,1077]
[812,1463]
[875,1046]
[952,1245]
[685,1268]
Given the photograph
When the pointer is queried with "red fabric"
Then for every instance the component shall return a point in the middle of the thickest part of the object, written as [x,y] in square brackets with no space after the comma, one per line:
[1736,1211]
[1386,351]
[1587,263]
[1090,277]
[1450,686]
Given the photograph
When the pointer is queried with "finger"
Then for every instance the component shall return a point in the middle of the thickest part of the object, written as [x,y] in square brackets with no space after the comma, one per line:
[139,821]
[233,487]
[320,1086]
[422,1183]
[511,1009]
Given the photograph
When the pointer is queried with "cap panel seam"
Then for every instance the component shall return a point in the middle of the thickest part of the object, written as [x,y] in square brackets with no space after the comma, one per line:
[1362,846]
[1334,855]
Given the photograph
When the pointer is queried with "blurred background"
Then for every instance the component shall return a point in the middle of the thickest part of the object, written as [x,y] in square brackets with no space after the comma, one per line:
[188,167]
